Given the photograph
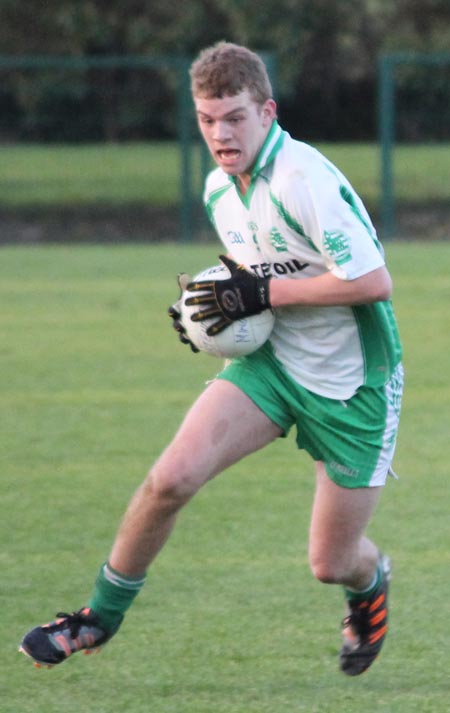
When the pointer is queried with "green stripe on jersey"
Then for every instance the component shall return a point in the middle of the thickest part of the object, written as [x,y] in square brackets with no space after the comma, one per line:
[213,198]
[380,341]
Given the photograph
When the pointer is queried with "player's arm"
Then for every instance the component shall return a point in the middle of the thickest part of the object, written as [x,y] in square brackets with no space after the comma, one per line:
[327,290]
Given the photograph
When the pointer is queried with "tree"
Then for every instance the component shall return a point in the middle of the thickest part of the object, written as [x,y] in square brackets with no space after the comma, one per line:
[326,50]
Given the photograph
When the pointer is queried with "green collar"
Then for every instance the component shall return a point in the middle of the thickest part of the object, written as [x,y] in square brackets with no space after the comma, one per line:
[269,149]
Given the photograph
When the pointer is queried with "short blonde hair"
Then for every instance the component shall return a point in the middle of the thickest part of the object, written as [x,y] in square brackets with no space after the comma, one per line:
[226,69]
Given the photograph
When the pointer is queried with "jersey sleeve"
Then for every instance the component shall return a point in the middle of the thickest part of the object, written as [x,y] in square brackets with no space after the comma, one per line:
[332,218]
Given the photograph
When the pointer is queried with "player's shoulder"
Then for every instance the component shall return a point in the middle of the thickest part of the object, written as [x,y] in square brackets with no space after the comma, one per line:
[301,163]
[217,180]
[301,157]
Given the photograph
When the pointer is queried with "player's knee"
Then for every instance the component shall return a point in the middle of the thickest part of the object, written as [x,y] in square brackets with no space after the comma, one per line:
[168,489]
[326,570]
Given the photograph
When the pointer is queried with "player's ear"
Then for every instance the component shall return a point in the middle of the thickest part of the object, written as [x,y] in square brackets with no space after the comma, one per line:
[269,109]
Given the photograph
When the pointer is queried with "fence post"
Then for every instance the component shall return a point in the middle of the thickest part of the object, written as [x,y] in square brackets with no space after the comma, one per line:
[386,120]
[184,124]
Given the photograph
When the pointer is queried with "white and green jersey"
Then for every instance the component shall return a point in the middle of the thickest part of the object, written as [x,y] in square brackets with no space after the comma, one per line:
[300,218]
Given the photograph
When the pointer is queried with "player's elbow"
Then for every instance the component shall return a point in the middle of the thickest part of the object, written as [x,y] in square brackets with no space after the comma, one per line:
[383,289]
[378,286]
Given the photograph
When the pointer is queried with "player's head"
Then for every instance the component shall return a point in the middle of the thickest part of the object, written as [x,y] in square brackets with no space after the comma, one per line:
[235,110]
[227,69]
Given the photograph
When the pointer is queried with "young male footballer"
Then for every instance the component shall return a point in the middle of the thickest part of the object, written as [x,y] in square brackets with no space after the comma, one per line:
[299,241]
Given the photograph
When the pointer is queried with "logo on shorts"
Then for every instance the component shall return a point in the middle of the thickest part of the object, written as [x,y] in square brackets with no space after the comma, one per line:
[344,469]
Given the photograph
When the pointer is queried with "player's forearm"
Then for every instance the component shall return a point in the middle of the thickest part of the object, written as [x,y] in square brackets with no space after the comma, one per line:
[326,290]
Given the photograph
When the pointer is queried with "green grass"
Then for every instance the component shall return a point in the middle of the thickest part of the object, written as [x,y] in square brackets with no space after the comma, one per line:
[43,176]
[93,383]
[420,170]
[46,176]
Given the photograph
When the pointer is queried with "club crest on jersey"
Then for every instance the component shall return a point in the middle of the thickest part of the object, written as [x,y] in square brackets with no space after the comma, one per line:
[277,241]
[337,245]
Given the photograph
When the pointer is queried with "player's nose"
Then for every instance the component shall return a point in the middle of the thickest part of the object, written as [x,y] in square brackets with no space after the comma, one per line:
[221,131]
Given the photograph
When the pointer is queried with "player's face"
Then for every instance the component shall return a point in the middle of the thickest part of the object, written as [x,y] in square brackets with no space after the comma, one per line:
[234,129]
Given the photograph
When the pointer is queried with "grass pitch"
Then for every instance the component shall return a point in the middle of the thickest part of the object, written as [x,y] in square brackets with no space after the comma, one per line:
[93,384]
[35,175]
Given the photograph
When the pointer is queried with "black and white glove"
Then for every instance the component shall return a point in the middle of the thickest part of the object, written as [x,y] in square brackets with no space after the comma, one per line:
[241,295]
[174,312]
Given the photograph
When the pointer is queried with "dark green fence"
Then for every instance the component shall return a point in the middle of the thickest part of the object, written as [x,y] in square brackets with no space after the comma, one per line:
[414,126]
[108,98]
[78,100]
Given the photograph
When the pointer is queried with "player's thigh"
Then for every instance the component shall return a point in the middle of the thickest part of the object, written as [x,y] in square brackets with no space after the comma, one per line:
[339,519]
[222,426]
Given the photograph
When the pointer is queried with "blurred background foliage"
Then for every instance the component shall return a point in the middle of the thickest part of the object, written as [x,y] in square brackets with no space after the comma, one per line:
[326,56]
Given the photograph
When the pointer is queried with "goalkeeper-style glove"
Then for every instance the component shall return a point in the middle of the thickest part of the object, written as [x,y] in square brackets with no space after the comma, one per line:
[241,295]
[175,313]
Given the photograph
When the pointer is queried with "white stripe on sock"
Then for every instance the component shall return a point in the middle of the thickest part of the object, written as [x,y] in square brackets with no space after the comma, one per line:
[122,582]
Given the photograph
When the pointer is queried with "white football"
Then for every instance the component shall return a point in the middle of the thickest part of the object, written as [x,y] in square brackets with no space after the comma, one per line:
[241,337]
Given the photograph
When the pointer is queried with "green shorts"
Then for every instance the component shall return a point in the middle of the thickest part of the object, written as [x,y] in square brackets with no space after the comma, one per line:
[355,438]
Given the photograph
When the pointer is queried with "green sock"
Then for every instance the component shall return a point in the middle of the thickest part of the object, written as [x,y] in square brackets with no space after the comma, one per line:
[358,596]
[113,595]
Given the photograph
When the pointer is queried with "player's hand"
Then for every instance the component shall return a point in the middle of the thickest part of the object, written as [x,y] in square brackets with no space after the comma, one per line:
[174,312]
[241,295]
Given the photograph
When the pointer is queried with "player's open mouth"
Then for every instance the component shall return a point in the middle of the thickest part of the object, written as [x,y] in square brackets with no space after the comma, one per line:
[228,154]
